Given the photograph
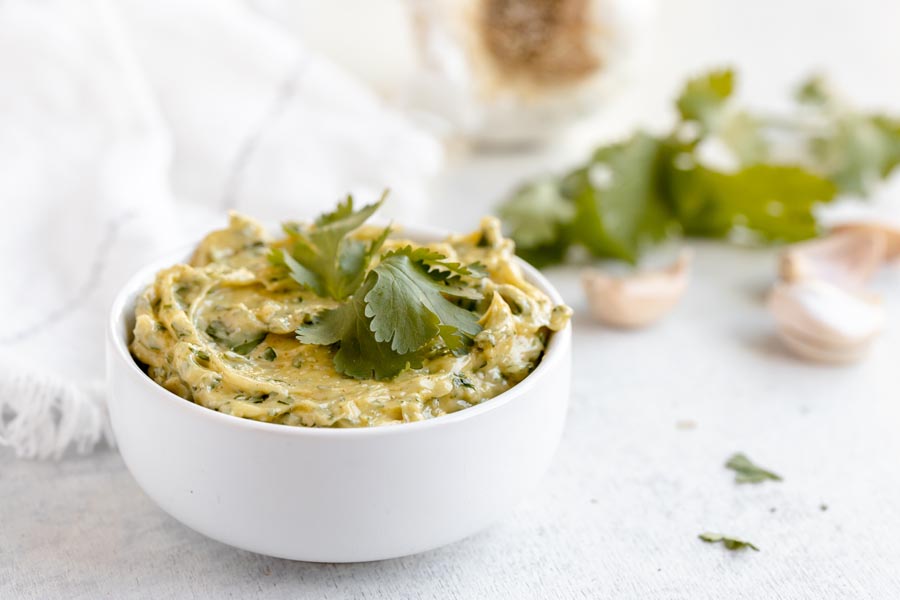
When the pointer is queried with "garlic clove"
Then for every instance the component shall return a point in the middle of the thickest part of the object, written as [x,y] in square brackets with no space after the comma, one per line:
[890,233]
[845,258]
[824,322]
[814,351]
[637,300]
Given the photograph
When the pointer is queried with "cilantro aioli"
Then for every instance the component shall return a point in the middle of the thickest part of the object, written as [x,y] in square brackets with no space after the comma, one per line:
[220,331]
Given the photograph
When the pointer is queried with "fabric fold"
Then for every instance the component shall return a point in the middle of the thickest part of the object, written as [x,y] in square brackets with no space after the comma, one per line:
[128,129]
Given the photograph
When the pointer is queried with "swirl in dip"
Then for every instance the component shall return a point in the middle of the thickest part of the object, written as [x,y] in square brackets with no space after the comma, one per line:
[219,331]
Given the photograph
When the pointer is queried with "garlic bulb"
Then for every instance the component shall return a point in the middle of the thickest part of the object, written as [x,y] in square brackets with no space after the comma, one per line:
[637,300]
[845,258]
[821,321]
[512,72]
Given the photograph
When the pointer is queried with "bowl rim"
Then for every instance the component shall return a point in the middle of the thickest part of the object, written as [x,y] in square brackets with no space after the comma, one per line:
[553,354]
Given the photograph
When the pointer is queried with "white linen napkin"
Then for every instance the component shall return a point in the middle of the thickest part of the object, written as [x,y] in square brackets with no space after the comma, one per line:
[129,128]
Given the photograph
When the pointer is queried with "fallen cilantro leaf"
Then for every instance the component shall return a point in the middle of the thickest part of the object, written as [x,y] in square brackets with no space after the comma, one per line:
[269,354]
[323,258]
[747,472]
[397,314]
[731,543]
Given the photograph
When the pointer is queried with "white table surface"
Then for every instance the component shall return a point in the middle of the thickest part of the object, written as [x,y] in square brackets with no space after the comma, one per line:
[617,515]
[619,512]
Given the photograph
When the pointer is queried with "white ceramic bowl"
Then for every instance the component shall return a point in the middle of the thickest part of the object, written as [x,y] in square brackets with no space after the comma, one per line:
[334,495]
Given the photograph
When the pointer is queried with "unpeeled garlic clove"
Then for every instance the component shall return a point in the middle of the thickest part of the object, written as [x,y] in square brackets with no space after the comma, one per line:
[890,234]
[845,258]
[821,321]
[637,300]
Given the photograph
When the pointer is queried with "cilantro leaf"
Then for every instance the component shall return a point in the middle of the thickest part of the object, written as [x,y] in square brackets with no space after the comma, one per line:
[536,218]
[858,151]
[246,347]
[407,304]
[742,134]
[731,543]
[323,258]
[705,101]
[359,354]
[631,194]
[391,316]
[854,149]
[442,269]
[703,97]
[889,129]
[236,341]
[397,314]
[618,207]
[747,472]
[774,202]
[814,92]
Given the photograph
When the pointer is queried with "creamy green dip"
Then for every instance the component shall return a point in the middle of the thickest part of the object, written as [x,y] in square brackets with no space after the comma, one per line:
[219,331]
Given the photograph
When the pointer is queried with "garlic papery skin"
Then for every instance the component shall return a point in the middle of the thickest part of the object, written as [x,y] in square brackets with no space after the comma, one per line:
[823,322]
[637,300]
[515,72]
[889,232]
[846,258]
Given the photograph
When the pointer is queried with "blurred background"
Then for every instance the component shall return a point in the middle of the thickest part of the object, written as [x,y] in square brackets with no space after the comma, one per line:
[278,107]
[655,47]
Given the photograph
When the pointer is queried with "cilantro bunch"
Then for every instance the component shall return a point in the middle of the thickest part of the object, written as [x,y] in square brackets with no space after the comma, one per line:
[391,316]
[721,172]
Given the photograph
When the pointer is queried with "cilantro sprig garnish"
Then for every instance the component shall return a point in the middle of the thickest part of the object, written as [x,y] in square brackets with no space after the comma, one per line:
[323,258]
[397,315]
[407,304]
[721,172]
[392,315]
